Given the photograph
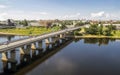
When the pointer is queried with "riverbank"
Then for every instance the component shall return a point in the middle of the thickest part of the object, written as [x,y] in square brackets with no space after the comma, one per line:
[96,36]
[3,33]
[30,31]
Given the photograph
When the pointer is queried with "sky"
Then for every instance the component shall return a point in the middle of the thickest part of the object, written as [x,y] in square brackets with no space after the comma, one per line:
[60,9]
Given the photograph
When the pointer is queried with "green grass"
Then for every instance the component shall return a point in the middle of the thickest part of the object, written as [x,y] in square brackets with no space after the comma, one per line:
[114,34]
[29,30]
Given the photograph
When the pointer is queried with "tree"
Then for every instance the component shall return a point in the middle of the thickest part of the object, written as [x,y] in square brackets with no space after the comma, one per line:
[100,30]
[63,26]
[106,32]
[24,22]
[93,29]
[79,24]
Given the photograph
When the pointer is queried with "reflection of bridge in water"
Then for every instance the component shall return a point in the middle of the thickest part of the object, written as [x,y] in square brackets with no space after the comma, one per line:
[32,58]
[20,53]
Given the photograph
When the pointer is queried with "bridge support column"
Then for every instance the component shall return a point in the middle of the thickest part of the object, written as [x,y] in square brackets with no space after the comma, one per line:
[27,50]
[4,57]
[61,36]
[40,45]
[13,56]
[54,40]
[33,46]
[47,41]
[22,51]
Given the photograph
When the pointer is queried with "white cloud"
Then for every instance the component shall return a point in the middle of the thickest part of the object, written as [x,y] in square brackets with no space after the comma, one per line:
[43,13]
[99,14]
[20,15]
[2,16]
[3,6]
[104,16]
[72,16]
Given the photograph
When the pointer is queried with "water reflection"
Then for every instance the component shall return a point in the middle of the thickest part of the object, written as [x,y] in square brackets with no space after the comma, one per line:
[17,61]
[99,42]
[80,58]
[4,38]
[66,58]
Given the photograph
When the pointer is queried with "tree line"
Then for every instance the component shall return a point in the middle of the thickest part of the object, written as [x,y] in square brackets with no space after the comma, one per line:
[99,29]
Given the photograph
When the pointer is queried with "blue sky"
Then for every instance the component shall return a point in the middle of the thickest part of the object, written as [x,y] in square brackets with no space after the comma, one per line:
[60,9]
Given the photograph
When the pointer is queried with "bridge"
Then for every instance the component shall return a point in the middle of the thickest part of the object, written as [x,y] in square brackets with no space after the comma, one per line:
[31,42]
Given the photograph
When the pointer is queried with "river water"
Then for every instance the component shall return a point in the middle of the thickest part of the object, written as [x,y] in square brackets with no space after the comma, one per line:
[78,57]
[83,57]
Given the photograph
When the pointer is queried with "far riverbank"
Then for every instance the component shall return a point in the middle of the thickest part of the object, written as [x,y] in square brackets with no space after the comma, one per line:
[96,36]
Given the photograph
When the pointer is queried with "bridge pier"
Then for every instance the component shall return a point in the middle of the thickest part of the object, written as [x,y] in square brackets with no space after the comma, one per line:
[40,45]
[27,50]
[13,57]
[55,39]
[5,66]
[47,41]
[61,36]
[33,46]
[4,57]
[25,53]
[22,51]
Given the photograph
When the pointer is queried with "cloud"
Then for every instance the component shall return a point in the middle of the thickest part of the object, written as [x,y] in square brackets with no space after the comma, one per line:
[104,16]
[3,6]
[40,13]
[99,14]
[2,16]
[72,16]
[43,13]
[20,15]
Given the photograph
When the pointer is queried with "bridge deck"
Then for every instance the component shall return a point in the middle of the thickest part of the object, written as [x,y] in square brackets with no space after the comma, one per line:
[19,43]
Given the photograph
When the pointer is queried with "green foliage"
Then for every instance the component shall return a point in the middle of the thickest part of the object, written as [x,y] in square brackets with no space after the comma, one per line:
[77,33]
[93,29]
[106,32]
[55,28]
[79,24]
[30,30]
[63,26]
[24,22]
[67,22]
[100,30]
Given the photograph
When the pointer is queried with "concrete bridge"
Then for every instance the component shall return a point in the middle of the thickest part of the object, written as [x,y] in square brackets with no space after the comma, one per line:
[31,42]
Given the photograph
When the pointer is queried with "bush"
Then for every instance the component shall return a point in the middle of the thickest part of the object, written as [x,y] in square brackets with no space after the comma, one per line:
[77,33]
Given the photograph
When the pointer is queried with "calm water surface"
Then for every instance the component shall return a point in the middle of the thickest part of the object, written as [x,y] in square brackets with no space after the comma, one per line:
[4,38]
[83,57]
[78,57]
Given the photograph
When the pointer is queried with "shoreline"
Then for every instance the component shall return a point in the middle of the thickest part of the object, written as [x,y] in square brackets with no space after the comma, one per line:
[13,34]
[99,37]
[84,36]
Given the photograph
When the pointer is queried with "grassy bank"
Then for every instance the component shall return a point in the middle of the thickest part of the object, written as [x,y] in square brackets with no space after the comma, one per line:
[28,31]
[97,36]
[82,34]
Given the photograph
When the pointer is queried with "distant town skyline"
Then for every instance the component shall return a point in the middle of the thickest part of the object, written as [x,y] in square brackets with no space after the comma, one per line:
[60,9]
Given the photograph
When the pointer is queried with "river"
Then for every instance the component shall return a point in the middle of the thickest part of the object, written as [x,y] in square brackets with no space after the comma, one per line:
[77,57]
